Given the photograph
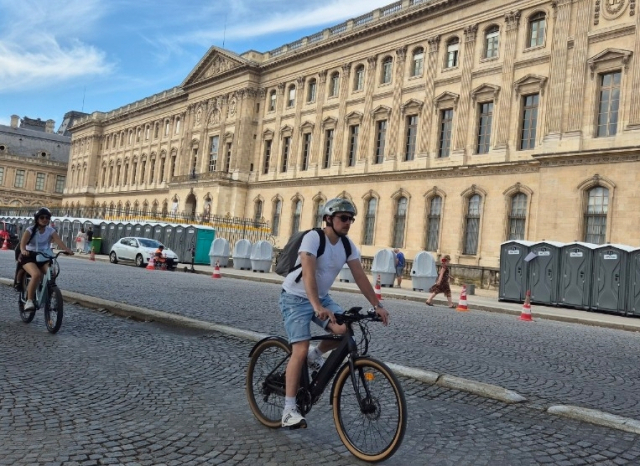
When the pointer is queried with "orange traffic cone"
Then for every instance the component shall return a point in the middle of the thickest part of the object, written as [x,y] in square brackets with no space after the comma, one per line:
[152,264]
[92,256]
[5,244]
[216,271]
[377,289]
[526,308]
[462,303]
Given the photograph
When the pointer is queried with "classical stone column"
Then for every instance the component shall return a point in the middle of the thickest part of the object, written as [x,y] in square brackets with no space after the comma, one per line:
[462,125]
[368,104]
[558,66]
[395,142]
[295,137]
[578,70]
[342,110]
[275,144]
[429,93]
[512,20]
[634,114]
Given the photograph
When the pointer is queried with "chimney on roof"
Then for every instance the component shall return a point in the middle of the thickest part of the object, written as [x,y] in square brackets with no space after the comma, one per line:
[49,126]
[15,119]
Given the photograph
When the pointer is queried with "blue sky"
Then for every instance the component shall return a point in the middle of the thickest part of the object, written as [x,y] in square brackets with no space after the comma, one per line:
[61,55]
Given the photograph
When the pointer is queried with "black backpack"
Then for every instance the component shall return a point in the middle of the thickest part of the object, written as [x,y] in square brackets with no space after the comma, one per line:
[289,255]
[17,250]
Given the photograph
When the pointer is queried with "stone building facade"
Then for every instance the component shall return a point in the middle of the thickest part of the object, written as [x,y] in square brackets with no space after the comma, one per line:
[454,125]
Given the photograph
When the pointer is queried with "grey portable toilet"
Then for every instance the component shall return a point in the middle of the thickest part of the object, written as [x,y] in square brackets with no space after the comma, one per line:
[610,277]
[633,283]
[189,241]
[110,235]
[67,231]
[261,256]
[158,232]
[138,230]
[242,255]
[574,287]
[424,272]
[167,236]
[178,244]
[219,252]
[513,270]
[544,272]
[147,231]
[384,264]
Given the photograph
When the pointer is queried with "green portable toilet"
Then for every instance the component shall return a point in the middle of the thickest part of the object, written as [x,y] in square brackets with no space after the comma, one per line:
[204,238]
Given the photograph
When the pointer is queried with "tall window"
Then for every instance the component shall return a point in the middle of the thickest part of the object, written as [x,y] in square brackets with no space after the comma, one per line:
[177,125]
[370,221]
[1,176]
[595,218]
[484,127]
[292,96]
[491,42]
[334,85]
[156,130]
[19,181]
[167,125]
[529,121]
[517,216]
[410,140]
[354,131]
[104,177]
[472,226]
[121,139]
[227,159]
[126,174]
[143,171]
[162,161]
[328,148]
[117,175]
[173,165]
[130,137]
[40,177]
[286,147]
[317,223]
[295,221]
[152,171]
[138,133]
[417,64]
[433,223]
[381,134]
[60,181]
[306,150]
[387,69]
[311,92]
[358,78]
[147,132]
[444,140]
[275,223]
[272,101]
[258,211]
[267,156]
[609,104]
[134,172]
[399,222]
[537,25]
[214,145]
[453,46]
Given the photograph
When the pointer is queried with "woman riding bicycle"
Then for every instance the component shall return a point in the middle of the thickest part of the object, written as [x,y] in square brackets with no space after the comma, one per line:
[35,240]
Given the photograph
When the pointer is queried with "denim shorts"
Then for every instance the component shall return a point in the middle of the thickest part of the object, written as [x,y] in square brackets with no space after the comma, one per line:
[297,314]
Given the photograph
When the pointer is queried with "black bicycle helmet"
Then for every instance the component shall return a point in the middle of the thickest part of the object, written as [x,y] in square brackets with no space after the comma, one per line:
[42,211]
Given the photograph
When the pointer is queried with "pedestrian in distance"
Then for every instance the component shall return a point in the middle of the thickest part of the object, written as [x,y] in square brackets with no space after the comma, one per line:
[305,297]
[87,247]
[399,265]
[442,283]
[81,240]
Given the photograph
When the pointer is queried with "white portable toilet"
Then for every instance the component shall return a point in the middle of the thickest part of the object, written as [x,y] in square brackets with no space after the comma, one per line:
[424,272]
[345,274]
[261,256]
[242,255]
[219,252]
[384,264]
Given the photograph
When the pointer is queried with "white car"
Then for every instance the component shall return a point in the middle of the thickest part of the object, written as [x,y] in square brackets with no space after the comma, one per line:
[138,250]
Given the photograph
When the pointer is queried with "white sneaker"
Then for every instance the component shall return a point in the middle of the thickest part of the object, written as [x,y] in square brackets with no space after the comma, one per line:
[293,419]
[29,306]
[314,363]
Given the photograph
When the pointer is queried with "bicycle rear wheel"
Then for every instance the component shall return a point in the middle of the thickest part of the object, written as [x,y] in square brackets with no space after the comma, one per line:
[375,431]
[26,316]
[266,381]
[53,311]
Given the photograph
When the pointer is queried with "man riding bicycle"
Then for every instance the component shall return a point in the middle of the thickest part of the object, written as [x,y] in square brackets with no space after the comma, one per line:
[35,240]
[306,298]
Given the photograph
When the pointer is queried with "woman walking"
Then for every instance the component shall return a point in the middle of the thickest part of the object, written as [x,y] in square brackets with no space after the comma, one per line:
[442,283]
[81,240]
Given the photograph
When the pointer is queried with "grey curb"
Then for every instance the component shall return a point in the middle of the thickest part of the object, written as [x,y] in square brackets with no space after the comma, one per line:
[482,389]
[597,417]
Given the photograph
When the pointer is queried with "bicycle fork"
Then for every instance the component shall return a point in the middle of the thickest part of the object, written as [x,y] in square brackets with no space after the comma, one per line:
[365,406]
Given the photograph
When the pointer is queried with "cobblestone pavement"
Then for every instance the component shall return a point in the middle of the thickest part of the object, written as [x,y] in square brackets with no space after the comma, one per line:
[548,362]
[107,390]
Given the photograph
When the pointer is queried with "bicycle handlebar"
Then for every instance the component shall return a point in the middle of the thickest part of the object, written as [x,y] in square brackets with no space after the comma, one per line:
[353,315]
[47,256]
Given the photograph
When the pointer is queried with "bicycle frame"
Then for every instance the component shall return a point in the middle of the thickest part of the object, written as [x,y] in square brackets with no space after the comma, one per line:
[42,292]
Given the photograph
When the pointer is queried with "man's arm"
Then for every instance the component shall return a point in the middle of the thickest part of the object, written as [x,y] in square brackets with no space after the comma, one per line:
[367,290]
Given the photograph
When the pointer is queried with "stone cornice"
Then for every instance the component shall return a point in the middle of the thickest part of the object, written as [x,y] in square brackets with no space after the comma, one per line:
[612,33]
[532,61]
[589,157]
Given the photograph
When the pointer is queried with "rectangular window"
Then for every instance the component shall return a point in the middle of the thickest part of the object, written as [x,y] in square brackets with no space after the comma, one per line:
[517,217]
[1,176]
[292,97]
[19,182]
[60,181]
[410,142]
[529,121]
[213,152]
[609,104]
[161,170]
[306,150]
[354,131]
[272,101]
[286,147]
[381,133]
[166,128]
[40,177]
[227,160]
[446,122]
[433,225]
[173,166]
[335,83]
[359,79]
[152,172]
[484,127]
[267,156]
[328,148]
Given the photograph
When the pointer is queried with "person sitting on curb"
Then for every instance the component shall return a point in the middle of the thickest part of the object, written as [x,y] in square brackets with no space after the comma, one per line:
[162,259]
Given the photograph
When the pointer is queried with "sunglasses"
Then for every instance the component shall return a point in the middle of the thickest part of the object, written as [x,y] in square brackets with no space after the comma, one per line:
[346,218]
[44,217]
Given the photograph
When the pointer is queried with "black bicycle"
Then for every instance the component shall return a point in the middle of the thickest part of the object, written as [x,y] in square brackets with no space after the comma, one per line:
[369,408]
[48,296]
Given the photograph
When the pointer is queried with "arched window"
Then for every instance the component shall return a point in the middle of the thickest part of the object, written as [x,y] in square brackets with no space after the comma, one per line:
[257,211]
[311,91]
[277,212]
[152,171]
[517,216]
[491,42]
[370,221]
[291,101]
[295,221]
[595,217]
[318,213]
[537,26]
[433,223]
[104,176]
[387,69]
[417,64]
[399,222]
[334,84]
[111,175]
[358,78]
[453,46]
[272,101]
[178,125]
[472,226]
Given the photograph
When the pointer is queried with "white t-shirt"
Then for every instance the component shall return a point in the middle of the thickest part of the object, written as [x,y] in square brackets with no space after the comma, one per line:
[328,265]
[41,242]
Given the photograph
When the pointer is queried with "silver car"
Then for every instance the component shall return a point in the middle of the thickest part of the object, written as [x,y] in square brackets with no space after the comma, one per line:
[138,250]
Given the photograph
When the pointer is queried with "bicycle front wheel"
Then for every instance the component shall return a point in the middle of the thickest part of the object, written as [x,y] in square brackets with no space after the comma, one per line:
[53,311]
[266,381]
[374,431]
[26,316]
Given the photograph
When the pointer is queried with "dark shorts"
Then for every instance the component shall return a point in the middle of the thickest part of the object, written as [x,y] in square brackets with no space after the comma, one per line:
[32,258]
